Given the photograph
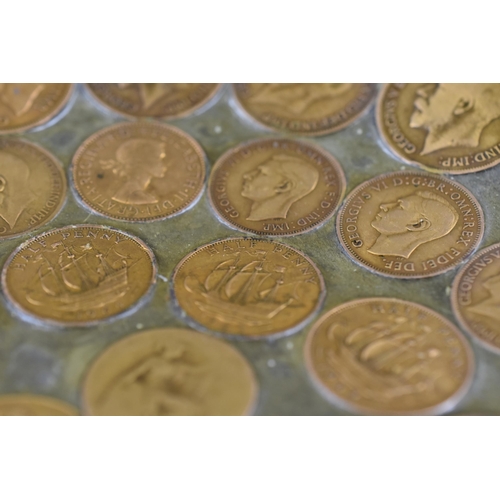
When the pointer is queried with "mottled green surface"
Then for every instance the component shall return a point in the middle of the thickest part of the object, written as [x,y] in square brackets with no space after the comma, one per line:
[53,361]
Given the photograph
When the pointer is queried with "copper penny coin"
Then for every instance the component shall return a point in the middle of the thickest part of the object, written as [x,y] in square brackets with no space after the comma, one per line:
[475,297]
[139,171]
[410,224]
[32,405]
[443,127]
[389,356]
[170,371]
[155,100]
[248,287]
[305,108]
[77,275]
[28,105]
[276,187]
[32,187]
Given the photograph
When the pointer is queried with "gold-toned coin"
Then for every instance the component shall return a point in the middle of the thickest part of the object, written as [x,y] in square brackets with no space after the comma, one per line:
[389,356]
[77,275]
[139,171]
[31,405]
[32,187]
[170,371]
[155,100]
[410,224]
[443,127]
[475,297]
[276,187]
[28,105]
[305,108]
[248,287]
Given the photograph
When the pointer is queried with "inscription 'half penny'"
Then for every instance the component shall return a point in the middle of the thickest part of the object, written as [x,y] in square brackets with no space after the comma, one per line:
[443,127]
[248,287]
[77,275]
[139,171]
[389,356]
[170,371]
[276,187]
[410,224]
[32,405]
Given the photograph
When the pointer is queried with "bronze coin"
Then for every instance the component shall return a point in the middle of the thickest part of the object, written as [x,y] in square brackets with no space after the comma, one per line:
[248,287]
[170,371]
[475,297]
[389,356]
[305,108]
[139,171]
[410,224]
[77,275]
[442,127]
[31,405]
[276,187]
[155,100]
[32,187]
[28,105]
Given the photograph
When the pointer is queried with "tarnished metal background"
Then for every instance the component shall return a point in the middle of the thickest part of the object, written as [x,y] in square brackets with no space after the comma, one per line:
[52,361]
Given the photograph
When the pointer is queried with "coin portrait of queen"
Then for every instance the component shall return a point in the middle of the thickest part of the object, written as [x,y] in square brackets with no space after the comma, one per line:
[137,163]
[411,221]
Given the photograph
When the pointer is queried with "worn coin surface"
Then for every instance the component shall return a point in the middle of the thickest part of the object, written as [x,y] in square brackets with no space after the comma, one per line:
[475,296]
[248,287]
[170,371]
[383,355]
[32,405]
[276,187]
[305,108]
[156,100]
[77,275]
[410,224]
[32,187]
[139,171]
[444,127]
[27,105]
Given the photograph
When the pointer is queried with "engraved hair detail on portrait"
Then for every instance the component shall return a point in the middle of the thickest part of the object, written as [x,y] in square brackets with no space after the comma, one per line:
[454,114]
[490,306]
[411,221]
[18,98]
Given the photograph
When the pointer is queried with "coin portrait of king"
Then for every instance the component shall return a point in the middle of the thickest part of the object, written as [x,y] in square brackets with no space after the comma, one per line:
[489,307]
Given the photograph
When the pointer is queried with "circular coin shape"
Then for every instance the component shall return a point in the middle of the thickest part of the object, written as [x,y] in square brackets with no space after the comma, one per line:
[305,108]
[139,171]
[170,371]
[276,187]
[32,187]
[410,224]
[28,105]
[475,297]
[389,356]
[443,127]
[155,100]
[77,275]
[248,287]
[31,405]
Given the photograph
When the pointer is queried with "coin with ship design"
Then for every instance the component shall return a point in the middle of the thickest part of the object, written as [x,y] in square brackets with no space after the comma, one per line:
[139,171]
[389,356]
[155,100]
[248,287]
[32,187]
[305,108]
[442,127]
[28,105]
[170,371]
[276,187]
[78,275]
[410,224]
[32,405]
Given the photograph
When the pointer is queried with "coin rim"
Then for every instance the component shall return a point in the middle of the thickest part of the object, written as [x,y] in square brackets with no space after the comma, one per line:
[26,398]
[362,263]
[102,132]
[236,149]
[443,407]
